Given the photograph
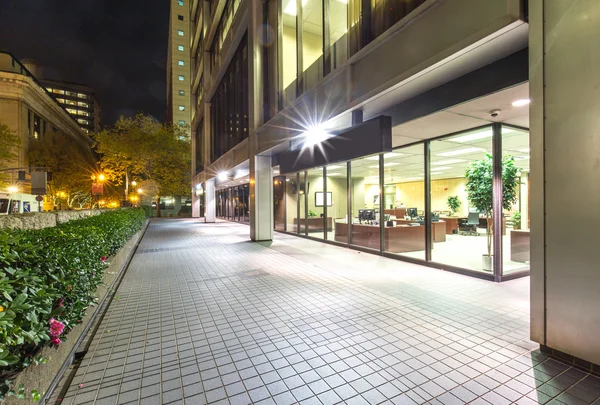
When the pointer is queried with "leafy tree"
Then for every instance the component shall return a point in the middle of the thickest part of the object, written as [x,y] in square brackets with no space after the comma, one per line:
[480,178]
[141,147]
[9,143]
[70,163]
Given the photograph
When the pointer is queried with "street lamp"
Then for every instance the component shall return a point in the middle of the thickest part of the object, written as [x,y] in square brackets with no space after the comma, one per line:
[134,183]
[97,186]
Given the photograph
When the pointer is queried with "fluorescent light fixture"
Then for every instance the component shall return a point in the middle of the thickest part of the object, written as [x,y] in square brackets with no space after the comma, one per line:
[473,137]
[522,157]
[521,103]
[444,168]
[290,9]
[524,150]
[415,178]
[385,156]
[222,176]
[385,165]
[335,167]
[447,162]
[460,152]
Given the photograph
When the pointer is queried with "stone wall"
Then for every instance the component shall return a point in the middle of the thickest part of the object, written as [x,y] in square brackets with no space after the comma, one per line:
[40,220]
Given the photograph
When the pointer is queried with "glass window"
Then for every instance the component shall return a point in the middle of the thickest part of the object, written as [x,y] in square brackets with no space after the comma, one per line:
[49,89]
[316,204]
[36,126]
[180,17]
[81,95]
[337,202]
[180,2]
[515,226]
[279,184]
[312,34]
[181,78]
[338,28]
[181,108]
[182,92]
[180,33]
[292,192]
[181,123]
[180,47]
[461,171]
[404,203]
[59,91]
[181,63]
[301,220]
[365,196]
[288,57]
[82,104]
[70,93]
[71,111]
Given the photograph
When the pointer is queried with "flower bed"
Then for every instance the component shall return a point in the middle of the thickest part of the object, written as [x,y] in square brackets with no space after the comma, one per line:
[48,279]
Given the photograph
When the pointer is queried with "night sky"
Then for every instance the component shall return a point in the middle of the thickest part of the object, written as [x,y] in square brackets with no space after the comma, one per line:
[117,47]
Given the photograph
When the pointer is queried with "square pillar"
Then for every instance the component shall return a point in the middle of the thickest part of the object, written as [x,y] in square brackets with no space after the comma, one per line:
[210,211]
[261,199]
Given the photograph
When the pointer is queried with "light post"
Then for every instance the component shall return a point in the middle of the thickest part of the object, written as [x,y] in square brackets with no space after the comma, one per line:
[97,187]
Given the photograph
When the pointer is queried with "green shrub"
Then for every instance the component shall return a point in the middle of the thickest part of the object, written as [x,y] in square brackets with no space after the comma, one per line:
[53,273]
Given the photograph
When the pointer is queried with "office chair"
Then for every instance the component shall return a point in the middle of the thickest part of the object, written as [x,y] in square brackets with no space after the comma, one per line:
[469,225]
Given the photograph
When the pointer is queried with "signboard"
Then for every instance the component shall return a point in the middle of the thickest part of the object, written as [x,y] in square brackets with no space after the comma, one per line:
[38,183]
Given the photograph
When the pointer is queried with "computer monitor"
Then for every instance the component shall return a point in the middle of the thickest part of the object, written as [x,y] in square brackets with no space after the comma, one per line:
[361,215]
[370,214]
[411,212]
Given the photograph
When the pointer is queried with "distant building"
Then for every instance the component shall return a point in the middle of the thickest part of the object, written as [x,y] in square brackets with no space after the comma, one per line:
[30,111]
[178,64]
[79,100]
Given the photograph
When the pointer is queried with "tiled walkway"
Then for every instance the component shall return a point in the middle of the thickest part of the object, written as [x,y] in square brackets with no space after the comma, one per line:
[205,316]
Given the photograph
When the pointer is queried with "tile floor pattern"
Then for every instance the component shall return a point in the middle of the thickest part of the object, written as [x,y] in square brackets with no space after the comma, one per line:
[205,316]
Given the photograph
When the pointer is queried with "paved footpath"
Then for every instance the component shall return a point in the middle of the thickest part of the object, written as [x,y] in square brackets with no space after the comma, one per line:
[205,316]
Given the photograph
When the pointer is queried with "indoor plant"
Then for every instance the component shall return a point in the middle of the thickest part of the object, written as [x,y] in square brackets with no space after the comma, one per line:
[480,177]
[453,204]
[516,220]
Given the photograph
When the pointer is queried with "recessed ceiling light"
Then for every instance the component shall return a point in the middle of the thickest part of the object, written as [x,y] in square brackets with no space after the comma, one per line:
[473,137]
[447,162]
[521,103]
[461,152]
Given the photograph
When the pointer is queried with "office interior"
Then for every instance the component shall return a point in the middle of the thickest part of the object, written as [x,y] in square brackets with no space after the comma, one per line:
[320,203]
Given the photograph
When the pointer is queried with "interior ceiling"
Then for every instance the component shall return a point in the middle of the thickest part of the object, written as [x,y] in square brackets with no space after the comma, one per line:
[312,13]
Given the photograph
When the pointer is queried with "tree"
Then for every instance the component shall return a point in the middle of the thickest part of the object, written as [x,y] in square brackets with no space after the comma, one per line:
[480,188]
[141,147]
[9,143]
[70,164]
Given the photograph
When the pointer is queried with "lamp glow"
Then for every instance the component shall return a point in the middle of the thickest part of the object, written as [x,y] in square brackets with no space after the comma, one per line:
[314,136]
[140,191]
[101,177]
[134,183]
[222,176]
[521,103]
[13,189]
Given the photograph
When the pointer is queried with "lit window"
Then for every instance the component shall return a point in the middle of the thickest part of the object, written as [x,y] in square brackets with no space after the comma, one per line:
[180,47]
[81,95]
[49,89]
[181,108]
[81,104]
[181,93]
[181,78]
[180,33]
[181,123]
[180,17]
[181,63]
[180,2]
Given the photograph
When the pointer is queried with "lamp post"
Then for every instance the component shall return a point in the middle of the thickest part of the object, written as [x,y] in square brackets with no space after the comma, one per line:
[97,187]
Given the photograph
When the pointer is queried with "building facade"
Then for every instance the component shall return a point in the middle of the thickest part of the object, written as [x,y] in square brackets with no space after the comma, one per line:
[178,64]
[358,122]
[31,111]
[78,100]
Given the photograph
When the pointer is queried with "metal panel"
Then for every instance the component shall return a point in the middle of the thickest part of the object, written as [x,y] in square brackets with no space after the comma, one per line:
[371,137]
[497,198]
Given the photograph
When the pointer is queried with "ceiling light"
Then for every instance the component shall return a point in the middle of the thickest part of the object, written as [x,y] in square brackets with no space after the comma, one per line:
[473,137]
[335,167]
[447,162]
[13,189]
[314,136]
[524,150]
[522,157]
[444,168]
[461,152]
[385,156]
[521,103]
[291,7]
[385,165]
[222,176]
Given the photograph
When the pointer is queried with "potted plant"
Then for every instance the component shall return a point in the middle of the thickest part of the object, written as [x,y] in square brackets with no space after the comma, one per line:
[516,220]
[480,177]
[453,204]
[311,214]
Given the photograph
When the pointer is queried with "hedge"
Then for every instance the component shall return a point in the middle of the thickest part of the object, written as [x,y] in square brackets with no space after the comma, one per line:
[48,278]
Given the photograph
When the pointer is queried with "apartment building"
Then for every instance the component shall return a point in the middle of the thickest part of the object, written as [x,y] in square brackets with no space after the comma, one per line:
[354,122]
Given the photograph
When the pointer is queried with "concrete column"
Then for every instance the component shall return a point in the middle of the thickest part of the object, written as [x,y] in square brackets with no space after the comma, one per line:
[210,210]
[195,204]
[564,121]
[261,199]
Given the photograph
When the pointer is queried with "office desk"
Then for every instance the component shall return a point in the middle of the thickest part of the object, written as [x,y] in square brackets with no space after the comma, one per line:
[397,212]
[451,224]
[315,224]
[438,229]
[519,245]
[397,239]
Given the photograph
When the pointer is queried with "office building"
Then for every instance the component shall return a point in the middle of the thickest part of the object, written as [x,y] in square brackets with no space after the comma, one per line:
[31,111]
[78,100]
[355,122]
[178,64]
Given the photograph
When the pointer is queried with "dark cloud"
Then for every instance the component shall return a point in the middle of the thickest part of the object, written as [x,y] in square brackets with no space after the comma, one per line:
[117,47]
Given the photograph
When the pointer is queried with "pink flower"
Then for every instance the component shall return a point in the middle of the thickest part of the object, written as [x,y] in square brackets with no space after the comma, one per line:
[55,340]
[103,259]
[56,328]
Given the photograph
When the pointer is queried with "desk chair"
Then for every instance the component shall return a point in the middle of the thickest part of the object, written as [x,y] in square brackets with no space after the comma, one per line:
[469,225]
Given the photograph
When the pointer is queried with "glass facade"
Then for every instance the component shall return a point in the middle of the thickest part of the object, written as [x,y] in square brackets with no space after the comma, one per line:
[233,203]
[429,202]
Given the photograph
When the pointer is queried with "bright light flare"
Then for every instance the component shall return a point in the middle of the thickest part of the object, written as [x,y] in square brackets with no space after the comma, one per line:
[13,189]
[314,136]
[521,103]
[222,176]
